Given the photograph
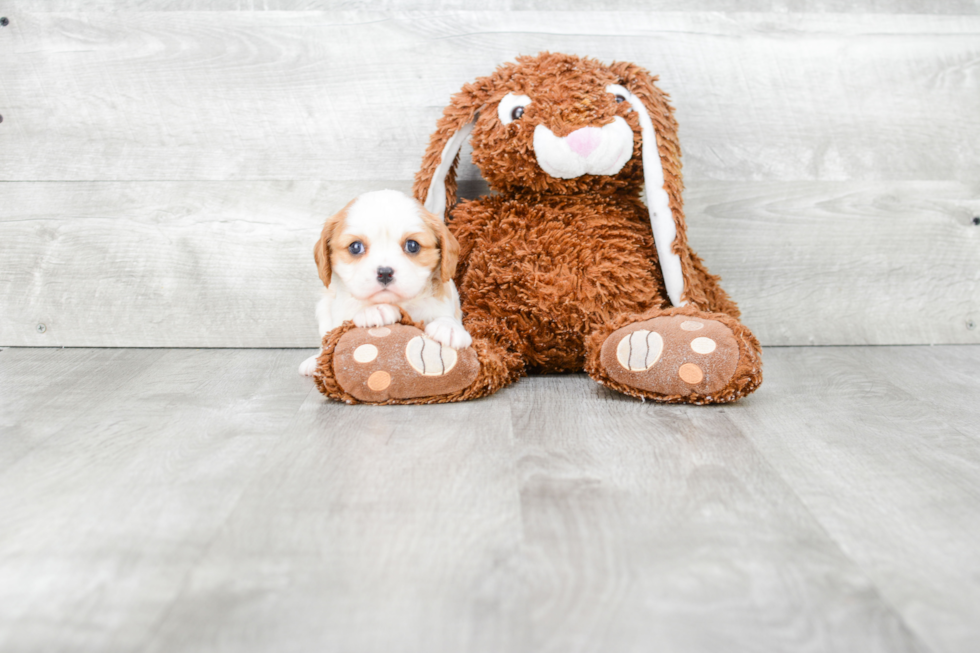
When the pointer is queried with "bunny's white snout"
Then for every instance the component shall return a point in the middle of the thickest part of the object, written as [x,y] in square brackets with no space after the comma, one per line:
[589,150]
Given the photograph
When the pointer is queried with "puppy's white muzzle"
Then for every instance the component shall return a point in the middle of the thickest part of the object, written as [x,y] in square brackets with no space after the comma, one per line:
[586,151]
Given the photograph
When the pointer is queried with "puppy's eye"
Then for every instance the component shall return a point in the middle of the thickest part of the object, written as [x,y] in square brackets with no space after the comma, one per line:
[412,247]
[517,113]
[356,248]
[620,99]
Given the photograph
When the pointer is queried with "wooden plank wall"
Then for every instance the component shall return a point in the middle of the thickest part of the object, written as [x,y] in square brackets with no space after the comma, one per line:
[165,164]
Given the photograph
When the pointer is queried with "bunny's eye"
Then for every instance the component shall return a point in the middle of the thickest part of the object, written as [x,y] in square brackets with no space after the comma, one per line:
[356,248]
[511,107]
[621,93]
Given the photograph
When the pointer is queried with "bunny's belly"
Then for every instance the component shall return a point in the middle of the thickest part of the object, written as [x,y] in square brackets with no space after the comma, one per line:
[548,276]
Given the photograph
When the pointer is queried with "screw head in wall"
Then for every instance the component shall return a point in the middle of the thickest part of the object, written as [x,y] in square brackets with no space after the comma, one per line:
[4,22]
[41,328]
[971,325]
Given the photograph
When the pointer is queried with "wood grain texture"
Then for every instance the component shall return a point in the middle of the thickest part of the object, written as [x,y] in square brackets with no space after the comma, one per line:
[136,95]
[103,520]
[150,264]
[213,501]
[946,376]
[870,263]
[229,264]
[966,7]
[829,156]
[76,383]
[882,446]
[662,528]
[370,529]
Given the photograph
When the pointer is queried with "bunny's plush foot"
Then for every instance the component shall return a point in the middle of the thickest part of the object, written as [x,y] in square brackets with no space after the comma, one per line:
[684,357]
[396,363]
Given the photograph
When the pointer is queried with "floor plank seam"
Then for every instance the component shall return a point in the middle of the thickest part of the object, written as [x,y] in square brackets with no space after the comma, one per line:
[154,631]
[897,614]
[89,408]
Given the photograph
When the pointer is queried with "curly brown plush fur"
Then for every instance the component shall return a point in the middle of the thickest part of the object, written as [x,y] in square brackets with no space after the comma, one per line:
[549,267]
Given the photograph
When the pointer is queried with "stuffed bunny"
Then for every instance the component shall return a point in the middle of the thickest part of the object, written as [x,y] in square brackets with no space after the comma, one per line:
[565,267]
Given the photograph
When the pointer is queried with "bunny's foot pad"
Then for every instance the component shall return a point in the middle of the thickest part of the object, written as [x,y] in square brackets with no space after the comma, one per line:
[679,358]
[397,363]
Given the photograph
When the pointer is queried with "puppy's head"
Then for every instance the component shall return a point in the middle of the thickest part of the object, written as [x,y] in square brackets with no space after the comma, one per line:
[386,248]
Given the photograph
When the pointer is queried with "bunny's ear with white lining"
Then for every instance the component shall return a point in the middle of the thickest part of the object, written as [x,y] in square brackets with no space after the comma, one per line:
[437,198]
[663,184]
[435,183]
[658,200]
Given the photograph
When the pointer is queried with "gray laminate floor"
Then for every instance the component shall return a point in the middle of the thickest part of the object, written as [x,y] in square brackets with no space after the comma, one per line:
[212,500]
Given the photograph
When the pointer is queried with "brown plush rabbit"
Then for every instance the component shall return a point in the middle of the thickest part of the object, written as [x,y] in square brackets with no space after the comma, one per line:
[564,268]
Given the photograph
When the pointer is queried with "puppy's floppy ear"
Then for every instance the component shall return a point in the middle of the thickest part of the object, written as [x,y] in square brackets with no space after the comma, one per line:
[435,182]
[321,251]
[448,246]
[661,175]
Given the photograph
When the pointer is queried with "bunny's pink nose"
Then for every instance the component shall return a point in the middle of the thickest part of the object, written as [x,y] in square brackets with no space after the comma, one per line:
[583,141]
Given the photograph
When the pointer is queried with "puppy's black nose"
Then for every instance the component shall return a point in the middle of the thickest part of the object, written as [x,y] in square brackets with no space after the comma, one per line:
[385,275]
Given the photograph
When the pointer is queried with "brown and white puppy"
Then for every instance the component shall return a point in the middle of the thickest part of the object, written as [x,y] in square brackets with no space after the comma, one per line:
[381,253]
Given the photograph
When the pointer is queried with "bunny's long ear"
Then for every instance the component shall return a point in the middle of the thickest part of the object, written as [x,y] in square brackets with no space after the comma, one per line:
[661,176]
[435,182]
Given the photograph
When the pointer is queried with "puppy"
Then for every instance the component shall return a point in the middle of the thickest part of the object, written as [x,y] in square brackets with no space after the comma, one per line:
[381,253]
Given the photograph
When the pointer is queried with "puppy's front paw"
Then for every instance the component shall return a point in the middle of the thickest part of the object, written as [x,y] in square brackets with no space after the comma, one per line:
[377,315]
[449,332]
[308,367]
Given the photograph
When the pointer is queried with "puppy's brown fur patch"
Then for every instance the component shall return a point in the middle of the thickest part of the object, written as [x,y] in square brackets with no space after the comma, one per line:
[321,251]
[428,254]
[447,244]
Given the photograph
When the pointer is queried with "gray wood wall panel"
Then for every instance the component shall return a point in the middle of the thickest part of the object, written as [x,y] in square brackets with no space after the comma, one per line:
[965,7]
[163,171]
[229,264]
[209,264]
[354,95]
[870,263]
